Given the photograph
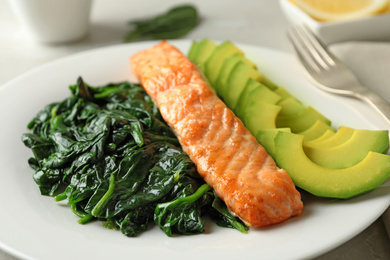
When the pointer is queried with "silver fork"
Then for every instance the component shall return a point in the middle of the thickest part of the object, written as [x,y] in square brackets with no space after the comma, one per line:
[329,73]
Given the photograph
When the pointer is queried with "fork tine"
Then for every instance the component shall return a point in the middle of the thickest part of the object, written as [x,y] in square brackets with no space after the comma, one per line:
[301,50]
[308,44]
[318,46]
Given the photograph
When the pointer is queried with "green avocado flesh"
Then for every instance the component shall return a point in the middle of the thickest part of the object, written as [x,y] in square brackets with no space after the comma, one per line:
[236,82]
[368,174]
[302,121]
[254,121]
[332,138]
[291,107]
[226,68]
[266,138]
[214,63]
[255,92]
[200,52]
[316,130]
[343,153]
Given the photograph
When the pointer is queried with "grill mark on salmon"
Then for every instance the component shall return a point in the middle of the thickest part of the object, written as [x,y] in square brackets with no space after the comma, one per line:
[225,153]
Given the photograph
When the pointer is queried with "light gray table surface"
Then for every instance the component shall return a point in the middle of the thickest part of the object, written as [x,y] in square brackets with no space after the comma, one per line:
[256,22]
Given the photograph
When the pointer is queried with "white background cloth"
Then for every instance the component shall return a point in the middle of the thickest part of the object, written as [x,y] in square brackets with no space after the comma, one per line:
[257,22]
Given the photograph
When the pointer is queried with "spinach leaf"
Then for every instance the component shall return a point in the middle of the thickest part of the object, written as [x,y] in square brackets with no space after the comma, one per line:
[169,215]
[223,217]
[108,152]
[137,220]
[175,23]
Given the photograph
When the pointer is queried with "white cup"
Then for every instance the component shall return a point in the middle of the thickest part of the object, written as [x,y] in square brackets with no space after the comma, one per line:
[53,21]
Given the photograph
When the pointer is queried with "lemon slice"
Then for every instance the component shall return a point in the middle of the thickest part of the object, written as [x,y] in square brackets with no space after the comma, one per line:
[336,10]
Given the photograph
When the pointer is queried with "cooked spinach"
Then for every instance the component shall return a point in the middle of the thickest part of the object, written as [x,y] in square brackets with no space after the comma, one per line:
[108,152]
[175,23]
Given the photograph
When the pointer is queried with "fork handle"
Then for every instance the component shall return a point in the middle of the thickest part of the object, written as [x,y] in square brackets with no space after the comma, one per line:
[381,105]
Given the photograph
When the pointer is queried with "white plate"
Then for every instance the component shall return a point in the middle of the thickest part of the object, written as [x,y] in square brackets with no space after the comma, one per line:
[35,227]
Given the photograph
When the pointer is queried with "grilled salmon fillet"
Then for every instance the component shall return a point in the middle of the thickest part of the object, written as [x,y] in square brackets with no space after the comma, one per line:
[225,153]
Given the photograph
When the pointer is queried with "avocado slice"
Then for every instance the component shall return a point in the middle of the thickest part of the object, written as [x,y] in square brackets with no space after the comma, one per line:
[316,130]
[260,115]
[325,136]
[367,175]
[202,52]
[193,49]
[236,82]
[350,152]
[342,135]
[214,63]
[301,121]
[291,106]
[266,137]
[249,86]
[283,93]
[269,83]
[254,92]
[227,66]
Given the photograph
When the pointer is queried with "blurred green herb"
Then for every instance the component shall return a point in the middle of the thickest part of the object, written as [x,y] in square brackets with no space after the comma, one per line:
[175,23]
[108,152]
